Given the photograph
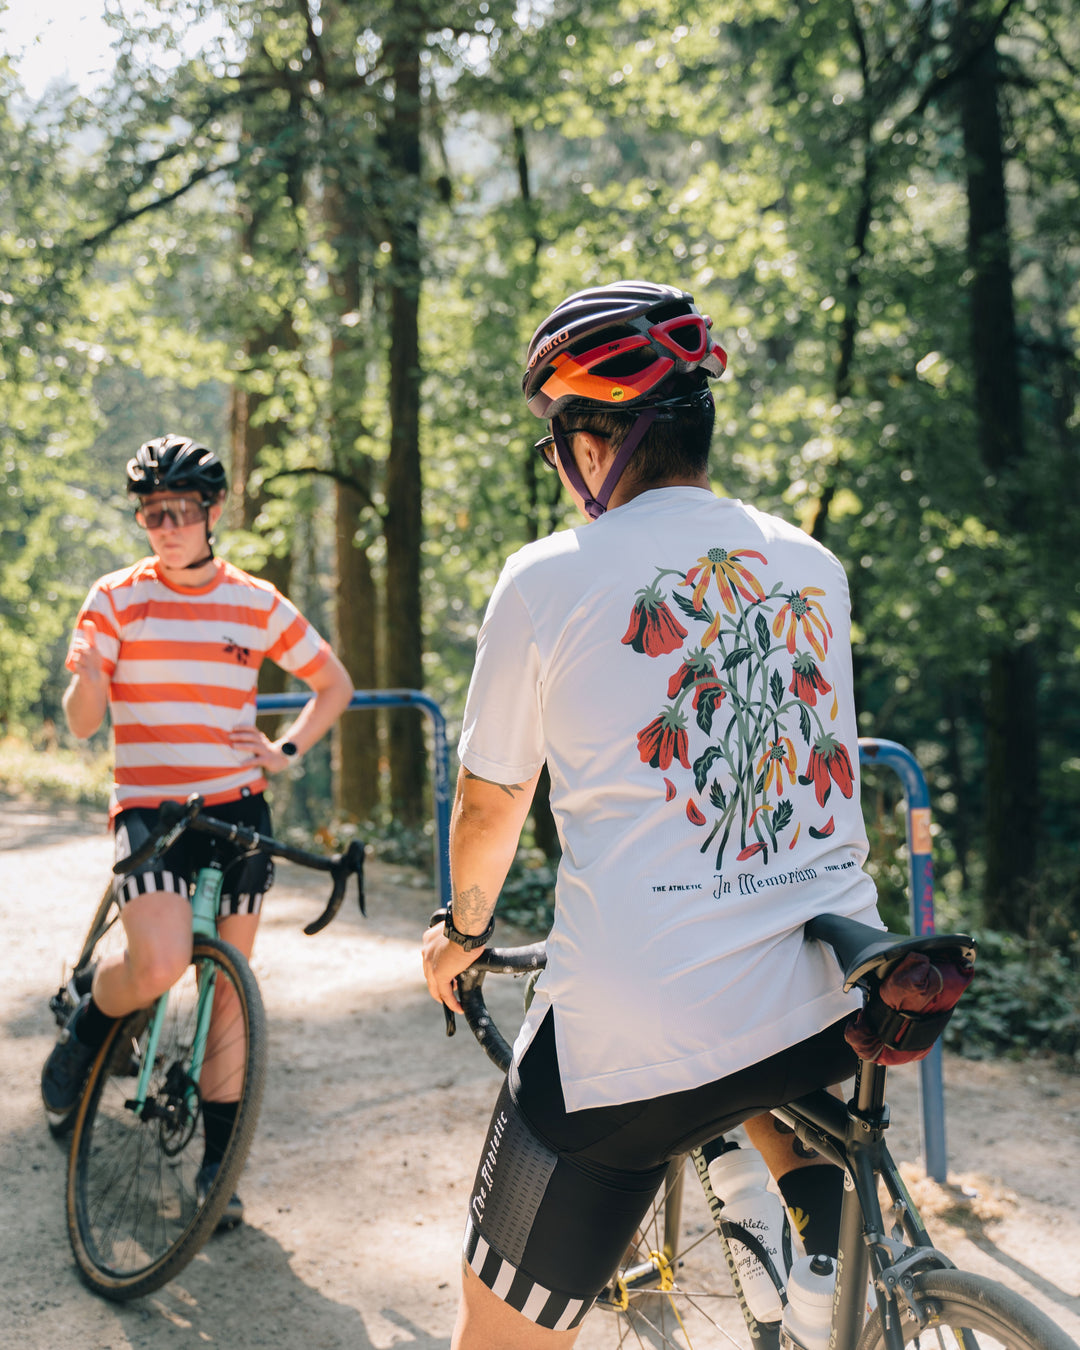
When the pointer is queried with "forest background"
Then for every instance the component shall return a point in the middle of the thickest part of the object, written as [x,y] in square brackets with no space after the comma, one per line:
[318,234]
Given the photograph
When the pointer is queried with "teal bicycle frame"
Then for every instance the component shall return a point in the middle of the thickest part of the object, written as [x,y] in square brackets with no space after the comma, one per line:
[204,906]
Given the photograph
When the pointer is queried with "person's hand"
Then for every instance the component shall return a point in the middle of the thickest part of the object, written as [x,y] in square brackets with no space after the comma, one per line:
[443,963]
[259,748]
[84,658]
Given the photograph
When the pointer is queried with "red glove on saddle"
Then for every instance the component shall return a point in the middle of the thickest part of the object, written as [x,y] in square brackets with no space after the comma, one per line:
[906,1013]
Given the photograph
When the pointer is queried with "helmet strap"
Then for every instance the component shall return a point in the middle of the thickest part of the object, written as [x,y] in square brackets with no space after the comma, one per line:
[209,543]
[596,506]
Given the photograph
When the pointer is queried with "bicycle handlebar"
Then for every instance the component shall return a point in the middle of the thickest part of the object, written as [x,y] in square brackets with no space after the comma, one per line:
[174,818]
[470,991]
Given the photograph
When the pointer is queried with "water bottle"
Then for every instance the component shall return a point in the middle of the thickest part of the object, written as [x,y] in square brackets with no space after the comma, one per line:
[755,1223]
[807,1321]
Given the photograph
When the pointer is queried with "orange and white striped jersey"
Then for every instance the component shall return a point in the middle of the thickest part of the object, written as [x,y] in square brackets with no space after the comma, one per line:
[183,666]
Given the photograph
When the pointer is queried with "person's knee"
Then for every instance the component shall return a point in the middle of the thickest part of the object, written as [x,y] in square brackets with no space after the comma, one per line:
[485,1322]
[154,967]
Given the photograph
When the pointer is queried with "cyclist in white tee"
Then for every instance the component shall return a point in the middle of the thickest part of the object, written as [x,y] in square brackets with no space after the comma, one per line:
[681,663]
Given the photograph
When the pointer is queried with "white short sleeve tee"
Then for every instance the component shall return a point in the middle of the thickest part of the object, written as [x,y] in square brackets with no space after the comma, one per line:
[683,666]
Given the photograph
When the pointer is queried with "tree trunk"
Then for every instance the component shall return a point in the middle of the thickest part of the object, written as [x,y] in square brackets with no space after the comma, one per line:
[404,489]
[356,524]
[1012,777]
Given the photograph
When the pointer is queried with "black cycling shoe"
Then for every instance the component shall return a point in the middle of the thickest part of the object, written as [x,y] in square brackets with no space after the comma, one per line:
[65,1071]
[234,1210]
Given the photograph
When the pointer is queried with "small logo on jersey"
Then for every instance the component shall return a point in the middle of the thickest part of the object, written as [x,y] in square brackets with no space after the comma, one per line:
[233,648]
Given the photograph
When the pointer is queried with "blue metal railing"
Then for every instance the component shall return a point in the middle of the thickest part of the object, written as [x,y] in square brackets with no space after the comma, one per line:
[402,698]
[921,868]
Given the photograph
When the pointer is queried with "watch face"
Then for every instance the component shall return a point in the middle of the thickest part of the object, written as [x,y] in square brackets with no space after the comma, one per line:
[287,748]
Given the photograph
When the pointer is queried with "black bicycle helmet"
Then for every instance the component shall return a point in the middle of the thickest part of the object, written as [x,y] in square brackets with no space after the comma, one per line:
[176,464]
[616,346]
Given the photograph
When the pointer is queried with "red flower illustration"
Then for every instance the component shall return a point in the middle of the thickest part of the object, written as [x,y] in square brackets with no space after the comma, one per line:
[698,670]
[721,564]
[829,763]
[806,680]
[799,610]
[663,740]
[750,850]
[653,629]
[693,815]
[824,831]
[669,789]
[780,756]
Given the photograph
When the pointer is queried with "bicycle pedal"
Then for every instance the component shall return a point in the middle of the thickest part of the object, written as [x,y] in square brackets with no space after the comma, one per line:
[61,1006]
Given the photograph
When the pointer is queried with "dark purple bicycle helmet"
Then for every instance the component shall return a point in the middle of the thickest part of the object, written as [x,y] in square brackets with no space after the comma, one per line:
[616,346]
[176,464]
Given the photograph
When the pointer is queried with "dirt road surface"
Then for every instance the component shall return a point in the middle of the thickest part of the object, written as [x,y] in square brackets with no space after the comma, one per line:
[372,1124]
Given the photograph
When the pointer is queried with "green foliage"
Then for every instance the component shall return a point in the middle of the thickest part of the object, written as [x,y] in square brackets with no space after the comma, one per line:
[527,898]
[43,772]
[1023,1000]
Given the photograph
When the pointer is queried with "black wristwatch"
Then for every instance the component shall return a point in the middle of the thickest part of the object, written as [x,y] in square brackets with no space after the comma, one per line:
[288,749]
[467,941]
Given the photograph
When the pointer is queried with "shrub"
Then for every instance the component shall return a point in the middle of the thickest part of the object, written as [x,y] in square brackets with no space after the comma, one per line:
[1025,998]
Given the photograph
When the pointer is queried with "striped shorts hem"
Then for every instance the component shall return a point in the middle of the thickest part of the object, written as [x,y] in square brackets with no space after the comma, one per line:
[125,889]
[544,1307]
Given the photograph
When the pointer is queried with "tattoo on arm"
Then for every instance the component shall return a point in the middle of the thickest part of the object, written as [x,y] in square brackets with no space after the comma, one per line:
[470,907]
[511,789]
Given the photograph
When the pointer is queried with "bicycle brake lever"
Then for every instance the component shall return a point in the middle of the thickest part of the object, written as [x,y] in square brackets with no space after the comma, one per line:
[343,866]
[451,1020]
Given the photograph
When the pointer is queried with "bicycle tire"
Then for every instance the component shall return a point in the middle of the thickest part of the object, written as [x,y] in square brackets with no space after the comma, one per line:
[961,1303]
[62,1004]
[133,1218]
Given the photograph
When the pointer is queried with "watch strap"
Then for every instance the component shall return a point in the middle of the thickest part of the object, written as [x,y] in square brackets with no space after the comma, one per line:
[467,941]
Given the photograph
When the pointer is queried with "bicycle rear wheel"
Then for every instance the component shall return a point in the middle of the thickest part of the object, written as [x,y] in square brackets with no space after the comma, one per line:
[104,937]
[133,1217]
[969,1312]
[673,1289]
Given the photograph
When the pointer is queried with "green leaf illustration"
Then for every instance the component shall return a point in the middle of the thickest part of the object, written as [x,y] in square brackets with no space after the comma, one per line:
[782,815]
[704,763]
[686,604]
[776,688]
[737,657]
[708,702]
[805,726]
[761,623]
[717,795]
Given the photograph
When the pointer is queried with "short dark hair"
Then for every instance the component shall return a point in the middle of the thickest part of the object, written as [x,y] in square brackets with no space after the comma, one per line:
[675,446]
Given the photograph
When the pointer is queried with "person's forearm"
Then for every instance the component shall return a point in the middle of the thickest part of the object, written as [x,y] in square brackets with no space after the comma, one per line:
[484,832]
[84,705]
[319,715]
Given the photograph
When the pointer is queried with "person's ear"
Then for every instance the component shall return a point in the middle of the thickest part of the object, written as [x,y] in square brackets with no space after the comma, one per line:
[215,512]
[594,452]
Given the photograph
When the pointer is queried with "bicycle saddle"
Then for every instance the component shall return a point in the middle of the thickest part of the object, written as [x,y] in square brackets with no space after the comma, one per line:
[863,950]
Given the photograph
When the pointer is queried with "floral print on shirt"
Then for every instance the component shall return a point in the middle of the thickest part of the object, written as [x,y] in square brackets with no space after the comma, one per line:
[757,699]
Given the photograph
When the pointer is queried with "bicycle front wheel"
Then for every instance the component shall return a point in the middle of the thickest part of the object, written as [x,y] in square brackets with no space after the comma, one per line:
[133,1215]
[969,1311]
[672,1289]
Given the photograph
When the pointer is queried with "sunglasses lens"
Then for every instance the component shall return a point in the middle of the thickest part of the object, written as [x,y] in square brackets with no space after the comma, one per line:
[181,512]
[546,447]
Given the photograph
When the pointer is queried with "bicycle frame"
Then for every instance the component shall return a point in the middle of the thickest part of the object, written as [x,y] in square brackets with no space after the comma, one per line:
[204,905]
[853,1137]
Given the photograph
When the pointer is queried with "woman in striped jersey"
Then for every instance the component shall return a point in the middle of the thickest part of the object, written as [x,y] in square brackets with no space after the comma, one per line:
[171,647]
